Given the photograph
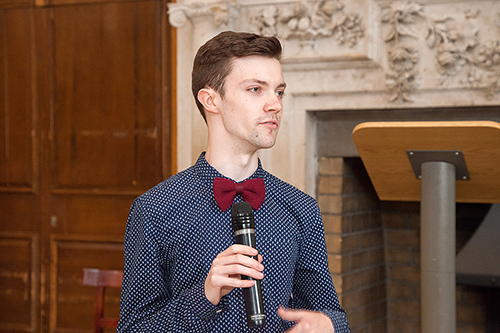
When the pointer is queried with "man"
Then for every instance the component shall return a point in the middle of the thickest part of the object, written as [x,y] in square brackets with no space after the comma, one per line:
[182,271]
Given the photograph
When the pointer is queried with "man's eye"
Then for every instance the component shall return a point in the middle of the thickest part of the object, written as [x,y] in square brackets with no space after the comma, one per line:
[254,89]
[280,94]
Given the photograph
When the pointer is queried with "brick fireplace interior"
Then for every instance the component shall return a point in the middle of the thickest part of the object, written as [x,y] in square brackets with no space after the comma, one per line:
[374,246]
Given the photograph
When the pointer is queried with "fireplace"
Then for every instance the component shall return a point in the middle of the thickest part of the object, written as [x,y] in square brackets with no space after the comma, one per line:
[374,246]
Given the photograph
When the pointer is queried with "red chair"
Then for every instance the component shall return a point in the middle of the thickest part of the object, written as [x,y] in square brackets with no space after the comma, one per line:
[101,279]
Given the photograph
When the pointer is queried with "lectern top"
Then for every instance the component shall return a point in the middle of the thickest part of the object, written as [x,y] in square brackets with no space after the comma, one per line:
[383,149]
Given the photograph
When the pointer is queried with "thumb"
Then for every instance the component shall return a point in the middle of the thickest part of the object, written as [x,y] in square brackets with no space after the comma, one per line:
[288,314]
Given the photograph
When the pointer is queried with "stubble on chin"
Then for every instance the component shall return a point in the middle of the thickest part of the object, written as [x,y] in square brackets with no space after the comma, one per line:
[265,141]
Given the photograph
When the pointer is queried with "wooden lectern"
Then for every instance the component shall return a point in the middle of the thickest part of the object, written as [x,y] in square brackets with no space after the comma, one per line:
[439,164]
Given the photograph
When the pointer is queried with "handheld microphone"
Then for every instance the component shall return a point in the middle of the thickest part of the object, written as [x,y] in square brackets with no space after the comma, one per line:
[244,232]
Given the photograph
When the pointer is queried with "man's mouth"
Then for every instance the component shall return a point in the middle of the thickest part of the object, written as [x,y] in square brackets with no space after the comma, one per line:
[271,123]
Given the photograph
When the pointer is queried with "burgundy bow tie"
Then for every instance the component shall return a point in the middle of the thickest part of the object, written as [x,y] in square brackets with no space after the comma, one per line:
[251,190]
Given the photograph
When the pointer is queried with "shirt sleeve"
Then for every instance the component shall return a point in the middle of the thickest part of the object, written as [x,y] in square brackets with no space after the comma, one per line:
[313,287]
[146,303]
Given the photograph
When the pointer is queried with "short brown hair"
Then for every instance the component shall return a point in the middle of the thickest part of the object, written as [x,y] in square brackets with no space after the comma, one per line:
[214,59]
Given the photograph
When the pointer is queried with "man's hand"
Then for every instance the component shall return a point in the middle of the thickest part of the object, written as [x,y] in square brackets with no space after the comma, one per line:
[227,269]
[307,321]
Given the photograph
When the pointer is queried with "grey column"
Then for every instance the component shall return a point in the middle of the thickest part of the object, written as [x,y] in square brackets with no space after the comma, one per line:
[437,246]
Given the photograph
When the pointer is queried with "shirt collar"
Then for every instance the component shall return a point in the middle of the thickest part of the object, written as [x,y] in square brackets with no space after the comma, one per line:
[207,172]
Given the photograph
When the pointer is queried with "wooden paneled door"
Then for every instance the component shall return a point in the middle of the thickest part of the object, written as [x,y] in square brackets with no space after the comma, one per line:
[84,129]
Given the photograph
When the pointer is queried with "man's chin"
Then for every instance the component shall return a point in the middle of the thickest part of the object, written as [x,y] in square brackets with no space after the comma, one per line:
[268,145]
[265,142]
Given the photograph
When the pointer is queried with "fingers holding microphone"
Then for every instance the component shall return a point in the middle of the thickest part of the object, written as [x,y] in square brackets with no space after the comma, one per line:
[227,269]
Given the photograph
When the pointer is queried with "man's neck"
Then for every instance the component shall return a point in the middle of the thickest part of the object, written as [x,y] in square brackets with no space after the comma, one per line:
[235,166]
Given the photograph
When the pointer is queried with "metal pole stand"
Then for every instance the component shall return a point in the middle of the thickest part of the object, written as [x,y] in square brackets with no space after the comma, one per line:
[438,171]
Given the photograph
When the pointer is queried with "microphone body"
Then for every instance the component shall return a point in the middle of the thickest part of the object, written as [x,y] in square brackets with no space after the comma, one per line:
[244,232]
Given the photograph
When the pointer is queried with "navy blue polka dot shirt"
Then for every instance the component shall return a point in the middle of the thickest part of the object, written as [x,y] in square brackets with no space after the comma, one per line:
[175,231]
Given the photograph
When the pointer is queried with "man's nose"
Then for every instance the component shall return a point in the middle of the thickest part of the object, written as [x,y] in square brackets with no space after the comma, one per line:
[274,103]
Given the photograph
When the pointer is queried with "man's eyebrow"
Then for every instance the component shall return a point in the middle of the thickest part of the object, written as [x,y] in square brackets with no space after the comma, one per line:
[262,83]
[282,85]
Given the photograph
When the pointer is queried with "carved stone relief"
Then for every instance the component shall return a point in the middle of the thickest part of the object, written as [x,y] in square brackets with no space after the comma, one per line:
[309,26]
[220,11]
[402,57]
[460,55]
[309,20]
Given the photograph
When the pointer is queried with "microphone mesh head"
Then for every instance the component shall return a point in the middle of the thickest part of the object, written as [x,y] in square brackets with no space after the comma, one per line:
[242,216]
[241,208]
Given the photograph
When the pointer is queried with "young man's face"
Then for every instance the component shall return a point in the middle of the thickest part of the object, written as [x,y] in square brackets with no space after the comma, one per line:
[252,105]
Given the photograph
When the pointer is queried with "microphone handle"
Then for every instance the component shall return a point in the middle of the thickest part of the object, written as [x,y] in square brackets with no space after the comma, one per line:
[252,296]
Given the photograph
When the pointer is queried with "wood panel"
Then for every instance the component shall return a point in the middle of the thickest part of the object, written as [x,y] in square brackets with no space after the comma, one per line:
[6,4]
[71,302]
[18,278]
[17,131]
[84,129]
[105,114]
[105,142]
[20,200]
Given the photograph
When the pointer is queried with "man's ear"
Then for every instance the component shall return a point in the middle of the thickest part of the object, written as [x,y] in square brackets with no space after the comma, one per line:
[207,98]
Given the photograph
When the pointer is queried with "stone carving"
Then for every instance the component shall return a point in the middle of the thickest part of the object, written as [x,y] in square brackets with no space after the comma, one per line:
[402,57]
[459,52]
[307,20]
[454,42]
[221,12]
[266,20]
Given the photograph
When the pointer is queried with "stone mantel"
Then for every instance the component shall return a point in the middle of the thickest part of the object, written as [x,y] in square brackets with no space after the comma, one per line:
[346,55]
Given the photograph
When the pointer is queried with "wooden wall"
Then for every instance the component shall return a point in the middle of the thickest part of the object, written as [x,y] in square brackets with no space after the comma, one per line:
[84,129]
